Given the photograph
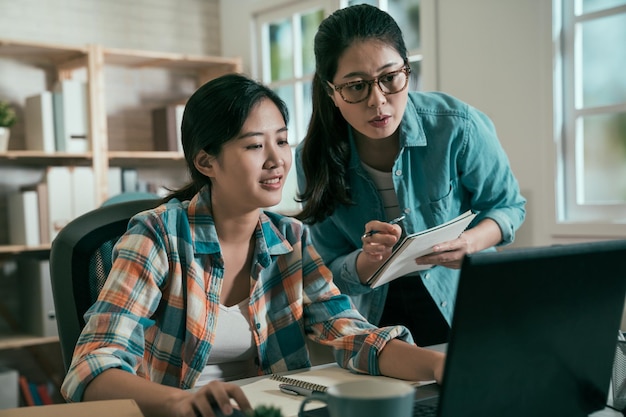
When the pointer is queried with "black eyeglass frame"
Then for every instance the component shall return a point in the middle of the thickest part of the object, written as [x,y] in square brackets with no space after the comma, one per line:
[406,69]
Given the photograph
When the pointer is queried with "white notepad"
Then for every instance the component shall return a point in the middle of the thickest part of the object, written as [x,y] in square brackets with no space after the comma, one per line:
[402,260]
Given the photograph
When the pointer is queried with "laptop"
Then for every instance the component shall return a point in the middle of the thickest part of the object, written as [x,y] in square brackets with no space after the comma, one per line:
[534,333]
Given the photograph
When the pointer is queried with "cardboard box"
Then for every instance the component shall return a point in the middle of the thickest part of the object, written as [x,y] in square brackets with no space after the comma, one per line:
[117,408]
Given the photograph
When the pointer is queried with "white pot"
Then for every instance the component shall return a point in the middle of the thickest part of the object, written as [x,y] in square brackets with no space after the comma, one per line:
[5,133]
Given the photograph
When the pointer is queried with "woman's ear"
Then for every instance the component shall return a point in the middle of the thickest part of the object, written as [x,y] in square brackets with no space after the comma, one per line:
[332,97]
[204,163]
[331,93]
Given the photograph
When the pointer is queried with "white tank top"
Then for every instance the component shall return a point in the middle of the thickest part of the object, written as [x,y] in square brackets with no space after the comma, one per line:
[234,351]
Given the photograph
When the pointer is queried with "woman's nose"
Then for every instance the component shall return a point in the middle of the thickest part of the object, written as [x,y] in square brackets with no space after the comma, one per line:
[376,97]
[274,160]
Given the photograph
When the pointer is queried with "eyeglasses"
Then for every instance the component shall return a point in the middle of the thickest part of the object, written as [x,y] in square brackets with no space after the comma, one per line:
[389,83]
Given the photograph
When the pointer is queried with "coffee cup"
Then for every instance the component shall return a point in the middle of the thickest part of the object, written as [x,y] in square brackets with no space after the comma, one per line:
[366,398]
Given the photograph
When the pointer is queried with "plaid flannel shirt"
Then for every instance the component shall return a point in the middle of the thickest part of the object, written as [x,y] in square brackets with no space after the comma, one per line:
[157,312]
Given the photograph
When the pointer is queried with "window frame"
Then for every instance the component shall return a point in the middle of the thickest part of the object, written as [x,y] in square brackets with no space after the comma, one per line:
[571,216]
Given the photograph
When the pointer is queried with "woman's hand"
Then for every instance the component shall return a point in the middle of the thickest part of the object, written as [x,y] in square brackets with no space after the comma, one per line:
[156,400]
[451,253]
[378,246]
[202,401]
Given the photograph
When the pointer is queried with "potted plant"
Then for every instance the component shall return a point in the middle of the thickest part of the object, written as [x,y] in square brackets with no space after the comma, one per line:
[7,119]
[267,411]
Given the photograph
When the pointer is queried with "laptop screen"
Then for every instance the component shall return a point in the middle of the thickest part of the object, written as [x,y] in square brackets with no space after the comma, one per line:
[534,331]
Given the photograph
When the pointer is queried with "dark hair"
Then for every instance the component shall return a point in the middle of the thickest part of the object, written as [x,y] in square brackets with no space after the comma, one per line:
[214,115]
[326,149]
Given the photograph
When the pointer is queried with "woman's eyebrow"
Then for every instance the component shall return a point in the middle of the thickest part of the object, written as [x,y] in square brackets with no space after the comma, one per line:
[363,74]
[253,133]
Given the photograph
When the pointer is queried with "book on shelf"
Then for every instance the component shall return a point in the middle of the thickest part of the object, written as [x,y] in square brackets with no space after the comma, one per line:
[166,125]
[34,393]
[23,211]
[39,123]
[402,259]
[114,175]
[71,192]
[58,180]
[83,190]
[71,120]
[10,392]
[130,180]
[44,394]
[41,189]
[25,390]
[36,305]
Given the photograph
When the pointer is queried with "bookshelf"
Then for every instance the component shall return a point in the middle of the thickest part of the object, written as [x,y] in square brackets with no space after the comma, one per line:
[123,87]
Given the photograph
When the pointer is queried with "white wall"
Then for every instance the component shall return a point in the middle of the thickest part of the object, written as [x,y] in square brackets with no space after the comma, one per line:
[190,26]
[497,55]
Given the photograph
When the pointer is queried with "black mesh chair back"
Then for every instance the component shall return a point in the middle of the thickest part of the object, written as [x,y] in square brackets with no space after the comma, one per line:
[80,261]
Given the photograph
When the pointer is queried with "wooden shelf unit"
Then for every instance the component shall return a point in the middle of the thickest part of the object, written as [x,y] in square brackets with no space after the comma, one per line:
[92,63]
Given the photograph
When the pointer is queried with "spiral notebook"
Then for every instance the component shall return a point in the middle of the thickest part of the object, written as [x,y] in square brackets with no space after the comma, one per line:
[266,391]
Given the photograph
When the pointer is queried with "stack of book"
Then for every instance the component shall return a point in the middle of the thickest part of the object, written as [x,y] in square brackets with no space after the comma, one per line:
[57,120]
[166,128]
[39,211]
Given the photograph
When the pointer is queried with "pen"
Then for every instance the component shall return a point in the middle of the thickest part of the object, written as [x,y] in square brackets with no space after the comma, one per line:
[394,221]
[296,390]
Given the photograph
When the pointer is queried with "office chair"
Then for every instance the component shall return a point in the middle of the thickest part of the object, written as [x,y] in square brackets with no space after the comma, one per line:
[80,260]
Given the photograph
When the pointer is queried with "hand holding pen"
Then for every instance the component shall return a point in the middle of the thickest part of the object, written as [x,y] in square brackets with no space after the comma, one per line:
[374,231]
[379,239]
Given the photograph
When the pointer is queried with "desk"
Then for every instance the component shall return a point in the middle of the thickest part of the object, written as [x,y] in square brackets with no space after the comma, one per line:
[265,391]
[262,391]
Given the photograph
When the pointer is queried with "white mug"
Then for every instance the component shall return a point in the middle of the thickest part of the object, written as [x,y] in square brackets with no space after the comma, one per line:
[366,398]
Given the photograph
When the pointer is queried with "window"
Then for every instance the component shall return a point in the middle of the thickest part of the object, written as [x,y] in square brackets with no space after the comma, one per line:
[407,14]
[591,111]
[287,64]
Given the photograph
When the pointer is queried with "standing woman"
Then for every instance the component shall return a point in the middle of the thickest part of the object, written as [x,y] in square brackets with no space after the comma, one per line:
[374,151]
[209,287]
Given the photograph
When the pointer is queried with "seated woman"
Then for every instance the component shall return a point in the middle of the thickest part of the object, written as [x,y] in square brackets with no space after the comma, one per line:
[210,287]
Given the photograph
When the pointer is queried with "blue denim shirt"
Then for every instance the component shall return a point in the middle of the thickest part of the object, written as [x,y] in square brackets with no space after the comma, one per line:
[450,161]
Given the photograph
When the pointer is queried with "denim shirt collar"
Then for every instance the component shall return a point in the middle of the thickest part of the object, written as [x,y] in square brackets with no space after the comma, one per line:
[411,129]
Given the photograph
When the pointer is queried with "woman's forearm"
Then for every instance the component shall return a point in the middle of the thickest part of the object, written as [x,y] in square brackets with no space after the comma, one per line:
[402,360]
[153,399]
[484,235]
[365,268]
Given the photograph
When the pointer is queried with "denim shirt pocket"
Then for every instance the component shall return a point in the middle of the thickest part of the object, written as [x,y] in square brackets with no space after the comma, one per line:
[446,207]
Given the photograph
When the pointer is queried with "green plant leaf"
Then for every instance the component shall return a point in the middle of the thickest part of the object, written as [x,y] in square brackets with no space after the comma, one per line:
[7,115]
[267,411]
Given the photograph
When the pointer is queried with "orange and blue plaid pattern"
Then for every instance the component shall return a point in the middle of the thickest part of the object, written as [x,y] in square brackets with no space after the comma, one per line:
[156,313]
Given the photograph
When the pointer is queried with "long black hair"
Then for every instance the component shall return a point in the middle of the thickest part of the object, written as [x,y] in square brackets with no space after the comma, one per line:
[214,115]
[326,149]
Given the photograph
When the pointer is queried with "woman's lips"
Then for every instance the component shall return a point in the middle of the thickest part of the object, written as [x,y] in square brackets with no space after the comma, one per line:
[380,121]
[272,183]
